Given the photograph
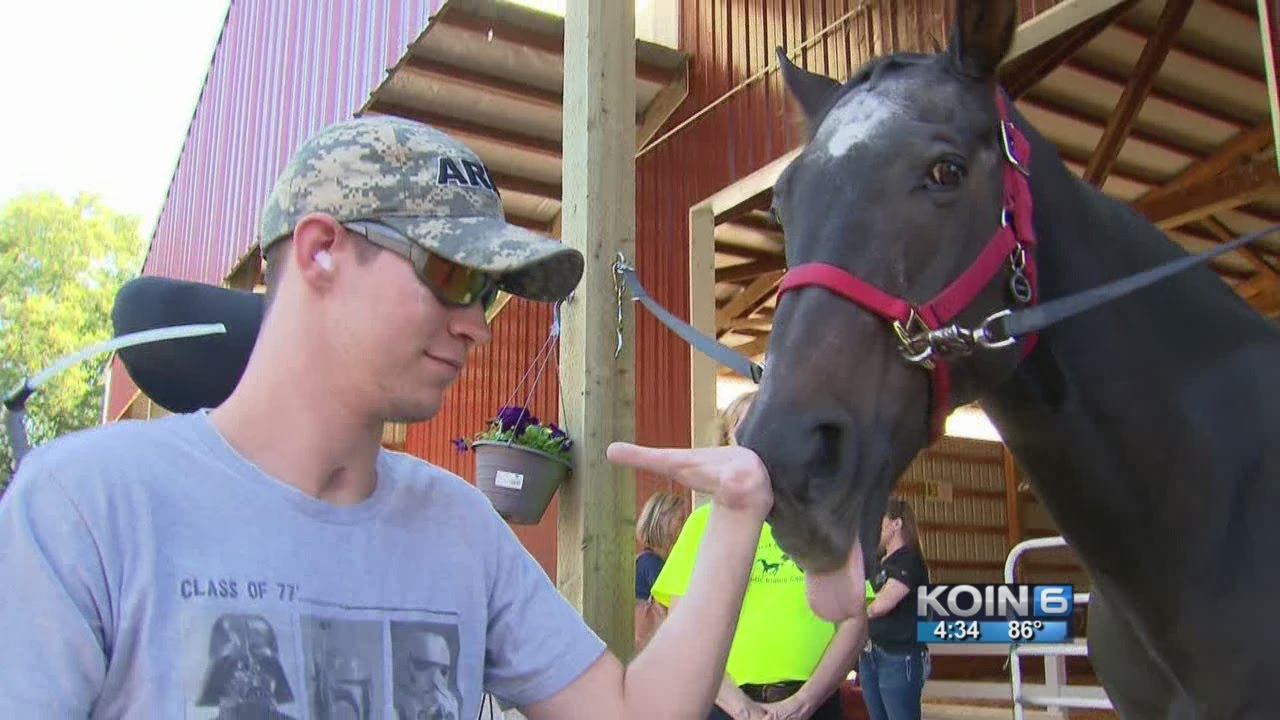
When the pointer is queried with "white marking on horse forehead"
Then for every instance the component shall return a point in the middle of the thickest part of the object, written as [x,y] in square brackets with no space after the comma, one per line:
[855,120]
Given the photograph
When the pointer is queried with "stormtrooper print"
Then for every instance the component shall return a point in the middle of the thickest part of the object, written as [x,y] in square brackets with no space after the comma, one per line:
[424,666]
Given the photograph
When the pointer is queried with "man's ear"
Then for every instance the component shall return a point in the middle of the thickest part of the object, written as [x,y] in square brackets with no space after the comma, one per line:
[314,247]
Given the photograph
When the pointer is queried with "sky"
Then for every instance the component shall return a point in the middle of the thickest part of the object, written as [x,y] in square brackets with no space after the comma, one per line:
[97,95]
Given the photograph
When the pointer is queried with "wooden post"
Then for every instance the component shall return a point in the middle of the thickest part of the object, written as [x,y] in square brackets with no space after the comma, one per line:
[703,371]
[597,507]
[1269,22]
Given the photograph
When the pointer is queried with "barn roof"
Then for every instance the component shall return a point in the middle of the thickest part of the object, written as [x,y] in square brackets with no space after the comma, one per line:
[492,74]
[1197,157]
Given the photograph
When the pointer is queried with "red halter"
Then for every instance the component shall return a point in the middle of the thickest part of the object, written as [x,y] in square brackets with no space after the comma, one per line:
[1012,242]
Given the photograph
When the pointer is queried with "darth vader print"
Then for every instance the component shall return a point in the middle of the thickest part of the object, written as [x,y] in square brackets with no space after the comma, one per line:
[244,675]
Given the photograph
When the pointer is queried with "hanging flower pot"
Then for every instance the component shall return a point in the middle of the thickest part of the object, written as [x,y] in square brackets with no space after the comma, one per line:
[520,463]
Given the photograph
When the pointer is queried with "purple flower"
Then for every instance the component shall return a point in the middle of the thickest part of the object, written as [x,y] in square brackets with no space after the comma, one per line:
[515,417]
[556,432]
[460,444]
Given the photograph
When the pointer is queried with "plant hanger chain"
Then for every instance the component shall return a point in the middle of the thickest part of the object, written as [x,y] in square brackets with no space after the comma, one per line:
[544,354]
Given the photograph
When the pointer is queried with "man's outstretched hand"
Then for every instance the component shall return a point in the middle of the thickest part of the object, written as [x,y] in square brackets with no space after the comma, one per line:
[733,475]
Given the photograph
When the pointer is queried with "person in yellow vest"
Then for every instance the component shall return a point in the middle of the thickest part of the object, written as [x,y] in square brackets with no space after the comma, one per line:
[785,662]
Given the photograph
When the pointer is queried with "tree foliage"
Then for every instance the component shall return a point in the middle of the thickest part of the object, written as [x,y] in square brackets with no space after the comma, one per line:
[61,263]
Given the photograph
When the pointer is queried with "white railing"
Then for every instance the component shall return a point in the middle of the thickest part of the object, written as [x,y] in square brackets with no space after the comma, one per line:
[1055,693]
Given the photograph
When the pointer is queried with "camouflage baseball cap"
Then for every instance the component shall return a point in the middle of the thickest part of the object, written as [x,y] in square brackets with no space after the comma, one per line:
[430,187]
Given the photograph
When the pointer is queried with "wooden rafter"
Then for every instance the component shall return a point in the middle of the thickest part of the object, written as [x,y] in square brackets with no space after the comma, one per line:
[468,131]
[752,348]
[1135,92]
[1025,72]
[1224,234]
[525,186]
[750,270]
[748,300]
[1241,185]
[488,85]
[1243,145]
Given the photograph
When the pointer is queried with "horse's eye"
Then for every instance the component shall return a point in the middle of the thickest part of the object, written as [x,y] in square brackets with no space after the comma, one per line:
[946,173]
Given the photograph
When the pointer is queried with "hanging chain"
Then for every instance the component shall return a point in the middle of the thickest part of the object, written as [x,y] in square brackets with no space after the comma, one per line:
[620,266]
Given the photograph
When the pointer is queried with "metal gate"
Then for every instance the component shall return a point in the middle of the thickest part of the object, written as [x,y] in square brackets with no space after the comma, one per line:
[1057,694]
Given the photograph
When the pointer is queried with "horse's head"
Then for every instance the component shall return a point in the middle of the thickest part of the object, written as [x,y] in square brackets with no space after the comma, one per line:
[892,211]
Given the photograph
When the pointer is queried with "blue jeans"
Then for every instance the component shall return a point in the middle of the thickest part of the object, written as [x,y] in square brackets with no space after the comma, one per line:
[892,683]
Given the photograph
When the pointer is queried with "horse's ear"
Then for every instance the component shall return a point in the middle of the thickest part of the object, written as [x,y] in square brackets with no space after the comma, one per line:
[982,35]
[811,90]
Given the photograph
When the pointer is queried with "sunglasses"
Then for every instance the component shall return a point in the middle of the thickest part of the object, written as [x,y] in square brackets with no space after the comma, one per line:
[452,283]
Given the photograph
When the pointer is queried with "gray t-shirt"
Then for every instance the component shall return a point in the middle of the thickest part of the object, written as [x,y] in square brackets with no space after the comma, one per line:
[147,570]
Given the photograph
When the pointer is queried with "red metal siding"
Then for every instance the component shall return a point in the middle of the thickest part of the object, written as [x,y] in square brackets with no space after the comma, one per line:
[280,71]
[488,382]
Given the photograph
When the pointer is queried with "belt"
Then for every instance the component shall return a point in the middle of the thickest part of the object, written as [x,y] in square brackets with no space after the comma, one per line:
[773,692]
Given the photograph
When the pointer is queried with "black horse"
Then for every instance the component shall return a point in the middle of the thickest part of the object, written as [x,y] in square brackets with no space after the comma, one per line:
[1150,426]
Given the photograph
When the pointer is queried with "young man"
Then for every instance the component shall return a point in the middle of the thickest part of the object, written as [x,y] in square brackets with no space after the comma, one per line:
[268,559]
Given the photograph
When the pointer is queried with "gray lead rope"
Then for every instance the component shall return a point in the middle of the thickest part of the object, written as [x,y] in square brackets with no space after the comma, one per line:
[717,351]
[1039,317]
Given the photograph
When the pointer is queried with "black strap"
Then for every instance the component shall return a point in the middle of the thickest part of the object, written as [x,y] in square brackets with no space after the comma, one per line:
[1039,317]
[717,351]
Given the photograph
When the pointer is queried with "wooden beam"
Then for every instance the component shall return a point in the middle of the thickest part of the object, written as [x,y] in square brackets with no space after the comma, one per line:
[750,270]
[1223,234]
[596,571]
[662,107]
[1135,92]
[1229,154]
[1269,24]
[525,186]
[1023,73]
[1053,23]
[742,303]
[469,131]
[440,73]
[1241,185]
[752,348]
[703,371]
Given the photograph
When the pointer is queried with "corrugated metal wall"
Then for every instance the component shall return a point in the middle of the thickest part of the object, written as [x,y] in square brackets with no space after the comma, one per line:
[280,71]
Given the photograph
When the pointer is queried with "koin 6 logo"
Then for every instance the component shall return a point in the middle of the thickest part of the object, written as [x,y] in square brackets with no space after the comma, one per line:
[995,601]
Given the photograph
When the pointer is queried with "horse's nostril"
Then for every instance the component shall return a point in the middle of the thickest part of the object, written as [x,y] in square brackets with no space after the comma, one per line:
[824,460]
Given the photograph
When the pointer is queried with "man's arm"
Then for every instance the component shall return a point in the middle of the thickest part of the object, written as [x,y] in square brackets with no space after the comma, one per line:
[730,697]
[52,617]
[677,675]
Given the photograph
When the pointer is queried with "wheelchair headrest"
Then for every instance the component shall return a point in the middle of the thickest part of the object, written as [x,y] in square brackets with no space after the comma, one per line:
[186,374]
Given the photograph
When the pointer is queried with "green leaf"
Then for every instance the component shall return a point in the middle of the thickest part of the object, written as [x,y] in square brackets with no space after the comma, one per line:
[61,264]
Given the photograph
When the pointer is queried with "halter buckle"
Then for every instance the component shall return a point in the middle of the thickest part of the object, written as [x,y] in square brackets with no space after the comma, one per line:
[912,336]
[1006,140]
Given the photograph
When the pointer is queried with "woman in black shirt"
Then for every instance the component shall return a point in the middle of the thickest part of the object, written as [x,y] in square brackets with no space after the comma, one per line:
[894,665]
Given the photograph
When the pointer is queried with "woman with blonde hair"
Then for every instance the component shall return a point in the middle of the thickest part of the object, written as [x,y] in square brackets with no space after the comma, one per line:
[656,530]
[785,663]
